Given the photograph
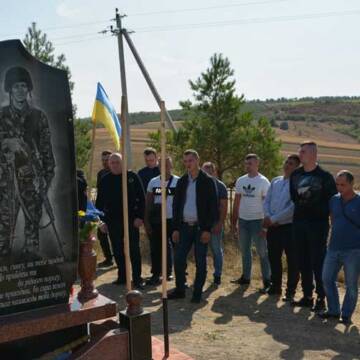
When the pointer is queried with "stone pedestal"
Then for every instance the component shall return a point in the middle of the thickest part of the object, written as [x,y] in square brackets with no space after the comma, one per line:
[138,323]
[44,330]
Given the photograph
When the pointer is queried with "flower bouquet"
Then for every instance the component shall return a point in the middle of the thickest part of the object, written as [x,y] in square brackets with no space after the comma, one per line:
[89,222]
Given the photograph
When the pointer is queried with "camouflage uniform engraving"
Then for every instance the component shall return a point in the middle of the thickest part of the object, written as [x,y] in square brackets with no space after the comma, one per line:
[26,162]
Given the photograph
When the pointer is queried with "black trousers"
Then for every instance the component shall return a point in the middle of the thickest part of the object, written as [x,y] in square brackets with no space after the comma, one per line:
[311,238]
[116,233]
[156,248]
[280,239]
[105,245]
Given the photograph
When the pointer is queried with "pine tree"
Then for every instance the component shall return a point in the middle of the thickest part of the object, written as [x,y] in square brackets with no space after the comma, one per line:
[217,127]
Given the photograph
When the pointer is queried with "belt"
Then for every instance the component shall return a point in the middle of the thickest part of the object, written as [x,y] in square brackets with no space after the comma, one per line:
[191,223]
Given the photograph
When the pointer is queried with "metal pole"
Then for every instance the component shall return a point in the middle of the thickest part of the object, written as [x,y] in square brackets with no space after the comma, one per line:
[164,228]
[123,84]
[147,78]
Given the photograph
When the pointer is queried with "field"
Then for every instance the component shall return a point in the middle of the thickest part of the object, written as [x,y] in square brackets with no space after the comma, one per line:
[336,151]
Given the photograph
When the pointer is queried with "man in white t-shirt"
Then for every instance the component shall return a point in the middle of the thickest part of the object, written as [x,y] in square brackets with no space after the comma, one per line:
[153,221]
[248,215]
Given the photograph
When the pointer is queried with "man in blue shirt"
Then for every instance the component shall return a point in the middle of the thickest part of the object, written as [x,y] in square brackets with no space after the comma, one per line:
[344,249]
[194,216]
[279,211]
[217,232]
[151,168]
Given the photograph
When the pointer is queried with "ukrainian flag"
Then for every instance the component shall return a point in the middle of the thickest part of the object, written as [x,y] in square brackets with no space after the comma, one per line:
[105,113]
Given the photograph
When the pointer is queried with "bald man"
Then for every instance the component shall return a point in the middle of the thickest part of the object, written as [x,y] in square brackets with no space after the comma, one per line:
[311,189]
[110,201]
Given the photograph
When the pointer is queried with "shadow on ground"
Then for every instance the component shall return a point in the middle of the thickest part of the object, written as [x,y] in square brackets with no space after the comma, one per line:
[300,330]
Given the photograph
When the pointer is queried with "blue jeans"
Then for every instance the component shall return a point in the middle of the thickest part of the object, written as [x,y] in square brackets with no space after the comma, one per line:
[249,233]
[216,244]
[190,235]
[334,261]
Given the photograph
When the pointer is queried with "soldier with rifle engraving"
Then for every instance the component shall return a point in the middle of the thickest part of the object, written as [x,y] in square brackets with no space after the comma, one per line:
[26,164]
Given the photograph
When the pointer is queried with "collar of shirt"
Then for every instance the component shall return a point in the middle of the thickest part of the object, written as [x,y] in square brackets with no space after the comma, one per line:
[191,179]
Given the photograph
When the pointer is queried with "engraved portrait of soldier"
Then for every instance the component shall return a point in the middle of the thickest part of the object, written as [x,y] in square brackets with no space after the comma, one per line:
[27,164]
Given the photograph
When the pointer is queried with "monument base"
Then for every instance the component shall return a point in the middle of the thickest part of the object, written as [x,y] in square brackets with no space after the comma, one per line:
[31,334]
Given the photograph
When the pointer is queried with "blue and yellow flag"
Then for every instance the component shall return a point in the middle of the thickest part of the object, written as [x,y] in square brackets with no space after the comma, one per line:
[105,113]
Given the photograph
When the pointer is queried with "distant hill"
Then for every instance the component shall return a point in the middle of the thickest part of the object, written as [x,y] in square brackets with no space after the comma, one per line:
[343,113]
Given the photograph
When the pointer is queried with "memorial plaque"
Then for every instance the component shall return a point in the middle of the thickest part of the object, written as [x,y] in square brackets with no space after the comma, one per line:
[38,203]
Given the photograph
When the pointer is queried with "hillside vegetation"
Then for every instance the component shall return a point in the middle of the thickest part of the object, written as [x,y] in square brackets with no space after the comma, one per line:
[342,113]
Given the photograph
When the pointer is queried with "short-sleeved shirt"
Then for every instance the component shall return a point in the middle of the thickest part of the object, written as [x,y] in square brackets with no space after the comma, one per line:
[221,190]
[253,191]
[154,187]
[345,232]
[311,192]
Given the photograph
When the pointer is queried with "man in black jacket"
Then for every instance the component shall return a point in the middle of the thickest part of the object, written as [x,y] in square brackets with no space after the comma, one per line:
[110,201]
[311,189]
[194,214]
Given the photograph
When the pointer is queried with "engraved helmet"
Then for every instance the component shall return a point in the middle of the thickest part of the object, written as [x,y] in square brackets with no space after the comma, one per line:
[17,74]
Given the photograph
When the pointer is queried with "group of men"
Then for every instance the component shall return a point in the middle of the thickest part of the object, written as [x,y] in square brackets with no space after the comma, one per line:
[290,214]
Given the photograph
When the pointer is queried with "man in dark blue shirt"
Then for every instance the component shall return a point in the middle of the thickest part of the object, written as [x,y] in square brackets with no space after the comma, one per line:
[344,249]
[217,232]
[151,169]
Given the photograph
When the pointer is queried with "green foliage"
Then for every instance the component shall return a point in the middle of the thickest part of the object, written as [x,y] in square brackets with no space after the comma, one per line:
[216,127]
[82,142]
[37,43]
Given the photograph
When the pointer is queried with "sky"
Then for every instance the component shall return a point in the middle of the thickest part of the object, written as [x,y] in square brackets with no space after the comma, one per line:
[278,48]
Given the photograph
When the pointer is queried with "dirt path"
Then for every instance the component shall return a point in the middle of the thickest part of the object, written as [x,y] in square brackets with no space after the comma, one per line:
[236,323]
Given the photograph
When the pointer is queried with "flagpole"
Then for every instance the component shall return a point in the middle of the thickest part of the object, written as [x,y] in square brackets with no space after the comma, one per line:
[91,163]
[125,192]
[164,228]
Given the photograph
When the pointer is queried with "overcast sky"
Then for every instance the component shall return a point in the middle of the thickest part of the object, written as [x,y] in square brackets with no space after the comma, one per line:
[278,48]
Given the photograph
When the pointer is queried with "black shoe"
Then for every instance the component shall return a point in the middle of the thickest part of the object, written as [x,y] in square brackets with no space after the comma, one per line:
[153,281]
[266,288]
[217,280]
[176,294]
[273,290]
[105,264]
[241,281]
[119,282]
[326,315]
[345,320]
[319,306]
[196,299]
[139,285]
[288,298]
[170,278]
[303,302]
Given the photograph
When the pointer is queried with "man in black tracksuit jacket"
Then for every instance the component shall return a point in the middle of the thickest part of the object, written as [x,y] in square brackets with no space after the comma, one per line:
[110,201]
[195,212]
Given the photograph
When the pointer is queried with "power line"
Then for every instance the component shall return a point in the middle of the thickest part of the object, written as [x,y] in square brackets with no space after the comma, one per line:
[54,28]
[246,21]
[85,24]
[83,40]
[175,11]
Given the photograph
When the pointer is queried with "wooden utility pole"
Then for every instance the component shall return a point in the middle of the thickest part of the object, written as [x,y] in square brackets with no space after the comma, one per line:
[119,33]
[164,237]
[148,79]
